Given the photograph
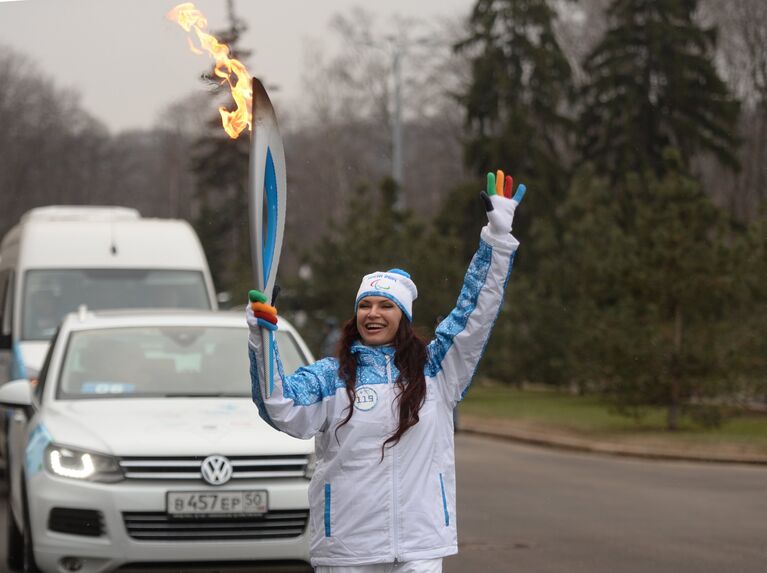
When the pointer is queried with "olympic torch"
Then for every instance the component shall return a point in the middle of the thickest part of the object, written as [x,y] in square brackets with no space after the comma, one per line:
[267,182]
[267,196]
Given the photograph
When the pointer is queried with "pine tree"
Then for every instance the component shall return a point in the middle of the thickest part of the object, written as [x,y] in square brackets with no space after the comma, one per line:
[517,101]
[652,84]
[641,297]
[372,234]
[745,343]
[567,311]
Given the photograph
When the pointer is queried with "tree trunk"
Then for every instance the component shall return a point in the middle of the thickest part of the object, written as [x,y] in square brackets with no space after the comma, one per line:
[672,422]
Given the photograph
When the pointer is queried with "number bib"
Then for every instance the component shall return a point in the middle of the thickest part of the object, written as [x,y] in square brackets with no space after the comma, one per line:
[365,398]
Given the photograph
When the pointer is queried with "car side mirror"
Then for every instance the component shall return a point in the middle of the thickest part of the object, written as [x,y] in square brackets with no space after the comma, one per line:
[16,394]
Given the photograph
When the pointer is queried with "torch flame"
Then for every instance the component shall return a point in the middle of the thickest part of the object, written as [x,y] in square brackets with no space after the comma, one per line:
[230,70]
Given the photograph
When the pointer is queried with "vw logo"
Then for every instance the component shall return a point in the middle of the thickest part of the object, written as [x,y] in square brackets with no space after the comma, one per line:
[216,470]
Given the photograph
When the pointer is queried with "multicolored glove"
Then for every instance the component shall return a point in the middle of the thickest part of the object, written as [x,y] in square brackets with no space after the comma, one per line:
[499,204]
[258,313]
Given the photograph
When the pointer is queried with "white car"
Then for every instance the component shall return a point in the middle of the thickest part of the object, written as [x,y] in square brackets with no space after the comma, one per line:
[139,446]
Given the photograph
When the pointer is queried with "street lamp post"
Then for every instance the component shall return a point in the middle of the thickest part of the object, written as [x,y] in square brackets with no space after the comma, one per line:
[396,46]
[397,170]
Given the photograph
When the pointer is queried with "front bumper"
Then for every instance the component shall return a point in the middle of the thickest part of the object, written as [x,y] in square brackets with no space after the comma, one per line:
[116,548]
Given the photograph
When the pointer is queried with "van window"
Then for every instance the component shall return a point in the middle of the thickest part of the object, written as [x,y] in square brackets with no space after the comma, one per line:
[50,294]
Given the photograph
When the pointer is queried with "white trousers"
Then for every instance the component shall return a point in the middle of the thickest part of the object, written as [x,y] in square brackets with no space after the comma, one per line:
[420,566]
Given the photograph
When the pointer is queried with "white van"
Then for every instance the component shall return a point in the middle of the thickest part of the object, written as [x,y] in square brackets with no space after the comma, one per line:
[57,258]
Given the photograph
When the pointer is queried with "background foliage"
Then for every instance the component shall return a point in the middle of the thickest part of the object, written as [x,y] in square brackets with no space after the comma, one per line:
[640,129]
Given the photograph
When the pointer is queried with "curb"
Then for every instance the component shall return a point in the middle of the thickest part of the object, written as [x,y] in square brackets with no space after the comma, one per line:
[506,430]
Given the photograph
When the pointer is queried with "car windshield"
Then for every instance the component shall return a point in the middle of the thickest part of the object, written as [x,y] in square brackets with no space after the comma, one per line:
[50,294]
[174,361]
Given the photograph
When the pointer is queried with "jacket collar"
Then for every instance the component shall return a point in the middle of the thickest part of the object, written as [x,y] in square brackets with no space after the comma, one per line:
[359,348]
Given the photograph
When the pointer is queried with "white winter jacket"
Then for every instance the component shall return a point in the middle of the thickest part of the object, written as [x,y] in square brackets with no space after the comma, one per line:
[402,508]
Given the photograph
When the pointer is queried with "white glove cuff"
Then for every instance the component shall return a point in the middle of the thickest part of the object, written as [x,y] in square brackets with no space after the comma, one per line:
[505,242]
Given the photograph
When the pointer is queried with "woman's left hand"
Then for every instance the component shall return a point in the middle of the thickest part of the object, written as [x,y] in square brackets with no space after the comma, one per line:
[258,313]
[499,203]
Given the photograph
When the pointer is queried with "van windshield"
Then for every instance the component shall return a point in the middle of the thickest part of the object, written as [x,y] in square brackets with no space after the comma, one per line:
[163,361]
[51,294]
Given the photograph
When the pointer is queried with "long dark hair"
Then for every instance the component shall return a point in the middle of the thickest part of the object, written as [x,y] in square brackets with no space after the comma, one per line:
[410,359]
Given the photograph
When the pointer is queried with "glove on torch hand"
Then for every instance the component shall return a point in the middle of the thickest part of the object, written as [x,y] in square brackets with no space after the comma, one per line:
[260,314]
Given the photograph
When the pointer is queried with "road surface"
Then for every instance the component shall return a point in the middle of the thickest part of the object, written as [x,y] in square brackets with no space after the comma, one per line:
[530,510]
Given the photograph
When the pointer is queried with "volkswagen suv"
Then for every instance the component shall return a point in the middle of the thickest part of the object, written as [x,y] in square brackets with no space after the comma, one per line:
[138,446]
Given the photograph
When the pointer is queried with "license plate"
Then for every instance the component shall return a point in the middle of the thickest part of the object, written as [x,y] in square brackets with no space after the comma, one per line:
[207,503]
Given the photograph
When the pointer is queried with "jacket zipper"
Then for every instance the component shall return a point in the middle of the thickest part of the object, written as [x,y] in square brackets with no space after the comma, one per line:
[395,496]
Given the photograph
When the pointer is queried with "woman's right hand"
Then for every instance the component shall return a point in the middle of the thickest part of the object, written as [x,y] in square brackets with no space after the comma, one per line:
[260,314]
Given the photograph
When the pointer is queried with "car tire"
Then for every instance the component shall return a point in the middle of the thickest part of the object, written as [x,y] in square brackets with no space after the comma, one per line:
[29,555]
[14,541]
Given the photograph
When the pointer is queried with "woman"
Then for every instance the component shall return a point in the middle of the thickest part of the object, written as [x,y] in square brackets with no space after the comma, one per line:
[382,497]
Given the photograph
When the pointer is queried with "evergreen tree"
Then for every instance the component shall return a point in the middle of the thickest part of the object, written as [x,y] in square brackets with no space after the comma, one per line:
[461,218]
[372,234]
[643,290]
[745,344]
[652,84]
[517,100]
[565,312]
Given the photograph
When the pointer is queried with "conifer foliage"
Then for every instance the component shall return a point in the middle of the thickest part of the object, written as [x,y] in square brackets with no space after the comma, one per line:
[652,84]
[516,103]
[371,233]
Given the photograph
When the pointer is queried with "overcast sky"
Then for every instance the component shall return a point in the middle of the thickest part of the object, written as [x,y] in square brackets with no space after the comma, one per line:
[128,62]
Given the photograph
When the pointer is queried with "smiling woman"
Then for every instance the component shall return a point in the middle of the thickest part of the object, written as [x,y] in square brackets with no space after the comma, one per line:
[378,319]
[383,495]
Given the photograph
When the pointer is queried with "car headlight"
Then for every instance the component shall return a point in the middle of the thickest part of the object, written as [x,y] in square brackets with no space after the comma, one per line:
[311,464]
[78,464]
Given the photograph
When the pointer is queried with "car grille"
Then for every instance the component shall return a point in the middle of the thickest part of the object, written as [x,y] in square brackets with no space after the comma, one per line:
[188,468]
[157,526]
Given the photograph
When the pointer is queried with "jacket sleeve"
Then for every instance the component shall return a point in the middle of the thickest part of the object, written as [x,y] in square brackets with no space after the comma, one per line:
[460,339]
[299,403]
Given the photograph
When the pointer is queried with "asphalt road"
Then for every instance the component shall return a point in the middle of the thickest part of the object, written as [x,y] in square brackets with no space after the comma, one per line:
[528,510]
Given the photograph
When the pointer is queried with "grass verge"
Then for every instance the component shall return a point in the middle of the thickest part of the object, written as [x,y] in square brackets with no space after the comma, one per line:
[589,417]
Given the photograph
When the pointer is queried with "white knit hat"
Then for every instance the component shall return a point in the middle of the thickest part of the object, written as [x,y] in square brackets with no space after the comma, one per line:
[394,284]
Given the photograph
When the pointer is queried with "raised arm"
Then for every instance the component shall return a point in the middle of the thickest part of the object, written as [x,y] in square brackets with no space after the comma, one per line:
[461,338]
[298,404]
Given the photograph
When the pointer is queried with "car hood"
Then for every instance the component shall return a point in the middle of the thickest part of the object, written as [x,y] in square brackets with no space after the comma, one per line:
[168,427]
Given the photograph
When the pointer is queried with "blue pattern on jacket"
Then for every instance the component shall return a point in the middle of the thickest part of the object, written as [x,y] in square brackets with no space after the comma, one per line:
[467,302]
